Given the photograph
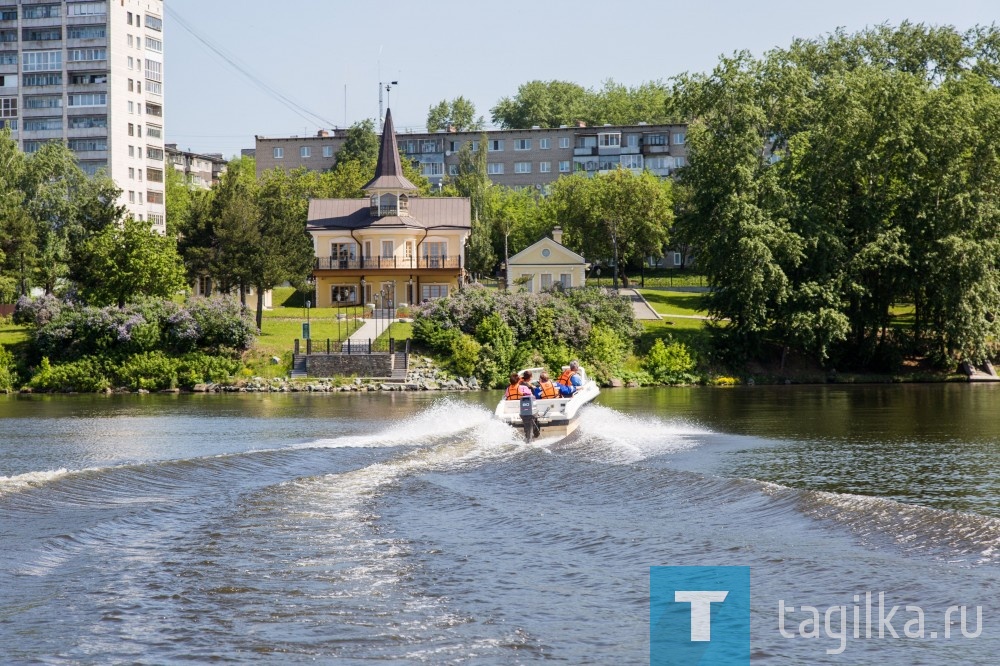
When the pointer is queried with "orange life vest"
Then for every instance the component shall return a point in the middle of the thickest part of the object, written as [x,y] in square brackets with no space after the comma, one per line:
[513,392]
[549,390]
[566,378]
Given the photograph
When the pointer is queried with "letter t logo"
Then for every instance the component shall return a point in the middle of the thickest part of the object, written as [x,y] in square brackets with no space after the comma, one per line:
[701,610]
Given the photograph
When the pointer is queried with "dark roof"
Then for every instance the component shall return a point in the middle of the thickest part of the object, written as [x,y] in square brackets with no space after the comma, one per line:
[425,213]
[389,170]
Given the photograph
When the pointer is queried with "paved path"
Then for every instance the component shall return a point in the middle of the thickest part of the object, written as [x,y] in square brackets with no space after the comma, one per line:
[640,307]
[370,329]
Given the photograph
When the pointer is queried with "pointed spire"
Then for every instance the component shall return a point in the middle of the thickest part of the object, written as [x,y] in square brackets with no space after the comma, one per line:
[389,170]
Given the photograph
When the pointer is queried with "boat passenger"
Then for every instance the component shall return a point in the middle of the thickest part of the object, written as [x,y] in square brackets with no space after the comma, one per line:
[517,389]
[569,380]
[546,388]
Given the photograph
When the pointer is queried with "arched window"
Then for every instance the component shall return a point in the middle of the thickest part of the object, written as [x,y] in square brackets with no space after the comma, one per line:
[373,205]
[388,205]
[404,204]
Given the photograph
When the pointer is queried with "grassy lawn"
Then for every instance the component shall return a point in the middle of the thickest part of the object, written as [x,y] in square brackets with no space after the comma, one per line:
[12,334]
[691,332]
[399,331]
[675,302]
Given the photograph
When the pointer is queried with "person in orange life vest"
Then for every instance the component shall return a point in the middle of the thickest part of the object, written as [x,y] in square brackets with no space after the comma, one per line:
[546,389]
[570,381]
[517,388]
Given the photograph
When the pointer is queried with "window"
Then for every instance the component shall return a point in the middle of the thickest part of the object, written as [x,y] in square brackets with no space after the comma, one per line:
[138,131]
[156,219]
[8,107]
[42,80]
[131,196]
[41,61]
[86,32]
[131,151]
[494,168]
[432,168]
[435,253]
[87,122]
[495,145]
[679,162]
[8,14]
[43,102]
[153,110]
[564,142]
[305,152]
[42,124]
[278,153]
[87,145]
[154,23]
[88,99]
[387,249]
[83,79]
[8,58]
[154,153]
[656,140]
[632,161]
[129,18]
[452,169]
[522,167]
[40,11]
[632,140]
[84,55]
[429,291]
[41,34]
[546,280]
[154,197]
[8,80]
[679,138]
[522,144]
[131,173]
[545,144]
[93,166]
[609,139]
[429,146]
[154,131]
[131,107]
[564,166]
[566,279]
[327,151]
[344,252]
[154,44]
[545,167]
[342,293]
[131,85]
[154,70]
[130,40]
[131,129]
[475,145]
[88,9]
[661,162]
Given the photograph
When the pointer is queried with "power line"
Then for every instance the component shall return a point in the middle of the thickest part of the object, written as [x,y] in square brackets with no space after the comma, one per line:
[289,103]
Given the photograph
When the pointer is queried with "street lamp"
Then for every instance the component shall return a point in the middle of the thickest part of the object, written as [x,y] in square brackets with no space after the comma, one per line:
[598,271]
[337,298]
[308,335]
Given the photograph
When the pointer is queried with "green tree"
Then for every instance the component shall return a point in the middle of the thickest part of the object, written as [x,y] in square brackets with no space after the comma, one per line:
[459,114]
[542,103]
[473,182]
[126,262]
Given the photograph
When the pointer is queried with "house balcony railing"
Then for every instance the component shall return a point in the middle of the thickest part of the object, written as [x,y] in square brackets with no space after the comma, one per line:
[386,263]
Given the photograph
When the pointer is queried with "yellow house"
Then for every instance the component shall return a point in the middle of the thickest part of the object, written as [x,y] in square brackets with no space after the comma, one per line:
[391,247]
[543,264]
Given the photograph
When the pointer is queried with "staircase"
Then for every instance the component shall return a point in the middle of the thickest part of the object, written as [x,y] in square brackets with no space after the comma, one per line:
[399,367]
[299,366]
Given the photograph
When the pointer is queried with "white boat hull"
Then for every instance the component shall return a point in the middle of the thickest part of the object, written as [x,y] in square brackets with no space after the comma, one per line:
[556,417]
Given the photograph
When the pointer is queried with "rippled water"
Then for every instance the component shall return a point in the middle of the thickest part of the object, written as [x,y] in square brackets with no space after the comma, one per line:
[413,528]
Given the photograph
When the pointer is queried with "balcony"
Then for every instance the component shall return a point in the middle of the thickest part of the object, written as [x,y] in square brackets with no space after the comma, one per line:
[386,263]
[585,150]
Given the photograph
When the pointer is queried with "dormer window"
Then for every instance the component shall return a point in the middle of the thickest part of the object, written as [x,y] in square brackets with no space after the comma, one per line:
[404,204]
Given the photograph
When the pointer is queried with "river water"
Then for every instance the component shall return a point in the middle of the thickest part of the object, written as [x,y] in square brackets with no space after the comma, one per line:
[412,528]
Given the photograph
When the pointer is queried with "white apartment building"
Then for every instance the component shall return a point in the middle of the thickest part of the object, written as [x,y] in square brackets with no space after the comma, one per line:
[89,73]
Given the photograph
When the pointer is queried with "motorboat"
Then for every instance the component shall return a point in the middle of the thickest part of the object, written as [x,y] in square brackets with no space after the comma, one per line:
[556,417]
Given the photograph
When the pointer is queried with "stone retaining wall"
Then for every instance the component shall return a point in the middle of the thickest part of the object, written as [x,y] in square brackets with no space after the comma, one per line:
[361,365]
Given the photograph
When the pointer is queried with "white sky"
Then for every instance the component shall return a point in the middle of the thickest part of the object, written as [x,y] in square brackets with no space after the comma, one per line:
[309,50]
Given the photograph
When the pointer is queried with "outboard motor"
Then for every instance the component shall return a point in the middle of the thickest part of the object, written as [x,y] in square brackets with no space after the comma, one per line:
[529,417]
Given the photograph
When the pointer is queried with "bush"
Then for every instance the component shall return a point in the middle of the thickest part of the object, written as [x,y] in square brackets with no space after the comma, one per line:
[669,364]
[84,375]
[464,354]
[37,312]
[222,323]
[606,353]
[8,371]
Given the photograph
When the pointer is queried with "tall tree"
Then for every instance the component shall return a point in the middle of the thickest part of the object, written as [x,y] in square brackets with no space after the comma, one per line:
[542,103]
[458,114]
[128,261]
